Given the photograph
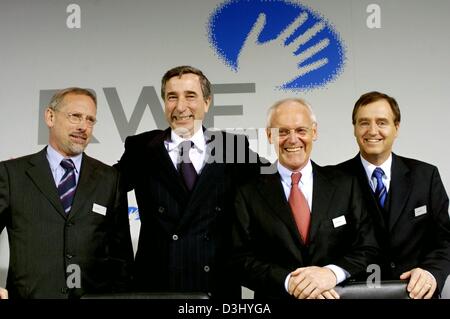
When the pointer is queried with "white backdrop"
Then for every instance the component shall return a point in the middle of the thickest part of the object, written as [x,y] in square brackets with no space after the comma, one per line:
[120,49]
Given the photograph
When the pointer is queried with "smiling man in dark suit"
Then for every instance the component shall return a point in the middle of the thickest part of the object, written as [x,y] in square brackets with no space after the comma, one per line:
[184,179]
[304,229]
[65,212]
[406,198]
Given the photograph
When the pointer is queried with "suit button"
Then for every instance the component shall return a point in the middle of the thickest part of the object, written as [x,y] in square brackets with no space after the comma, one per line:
[218,209]
[69,224]
[69,256]
[206,268]
[206,237]
[175,237]
[161,209]
[392,264]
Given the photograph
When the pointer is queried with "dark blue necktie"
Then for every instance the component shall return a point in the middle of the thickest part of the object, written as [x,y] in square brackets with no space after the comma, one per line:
[380,191]
[186,168]
[67,185]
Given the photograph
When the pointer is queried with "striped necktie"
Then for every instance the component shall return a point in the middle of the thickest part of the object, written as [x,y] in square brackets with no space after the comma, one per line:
[67,185]
[380,190]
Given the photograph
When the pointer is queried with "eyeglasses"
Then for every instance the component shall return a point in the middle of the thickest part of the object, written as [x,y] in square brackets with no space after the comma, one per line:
[284,132]
[77,118]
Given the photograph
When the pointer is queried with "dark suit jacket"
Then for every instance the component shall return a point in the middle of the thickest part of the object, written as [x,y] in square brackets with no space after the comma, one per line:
[44,241]
[267,243]
[407,240]
[185,239]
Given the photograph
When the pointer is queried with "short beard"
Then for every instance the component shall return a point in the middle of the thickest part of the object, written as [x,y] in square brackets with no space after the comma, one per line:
[75,149]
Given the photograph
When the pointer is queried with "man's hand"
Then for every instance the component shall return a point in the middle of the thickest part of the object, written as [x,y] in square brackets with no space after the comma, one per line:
[3,293]
[312,282]
[329,294]
[290,64]
[422,284]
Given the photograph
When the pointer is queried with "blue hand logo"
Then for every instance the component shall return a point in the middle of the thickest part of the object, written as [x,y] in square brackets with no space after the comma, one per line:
[279,41]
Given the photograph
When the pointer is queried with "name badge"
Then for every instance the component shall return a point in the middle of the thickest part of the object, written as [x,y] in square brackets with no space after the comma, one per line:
[420,210]
[339,221]
[99,209]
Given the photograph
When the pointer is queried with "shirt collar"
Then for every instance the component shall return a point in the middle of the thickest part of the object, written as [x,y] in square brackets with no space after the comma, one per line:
[54,158]
[369,167]
[198,139]
[286,173]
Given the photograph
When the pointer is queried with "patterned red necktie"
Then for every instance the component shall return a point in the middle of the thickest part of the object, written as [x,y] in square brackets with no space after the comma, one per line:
[299,207]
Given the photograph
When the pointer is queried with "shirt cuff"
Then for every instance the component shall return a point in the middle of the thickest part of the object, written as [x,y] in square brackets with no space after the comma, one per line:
[339,272]
[286,283]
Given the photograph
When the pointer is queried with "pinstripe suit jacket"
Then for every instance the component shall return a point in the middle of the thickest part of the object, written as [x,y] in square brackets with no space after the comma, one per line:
[185,238]
[44,241]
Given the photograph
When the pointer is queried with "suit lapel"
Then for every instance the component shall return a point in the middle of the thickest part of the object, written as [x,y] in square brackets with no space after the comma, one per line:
[210,174]
[323,190]
[367,192]
[399,189]
[87,183]
[42,177]
[272,192]
[164,169]
[206,176]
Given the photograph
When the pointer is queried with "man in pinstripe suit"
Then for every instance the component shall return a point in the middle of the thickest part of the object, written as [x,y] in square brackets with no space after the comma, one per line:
[68,225]
[185,237]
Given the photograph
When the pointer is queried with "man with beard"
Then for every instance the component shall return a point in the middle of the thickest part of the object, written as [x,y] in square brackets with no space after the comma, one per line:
[65,212]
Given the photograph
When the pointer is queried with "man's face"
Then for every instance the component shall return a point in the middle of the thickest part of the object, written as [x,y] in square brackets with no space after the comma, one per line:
[69,138]
[375,131]
[292,132]
[185,106]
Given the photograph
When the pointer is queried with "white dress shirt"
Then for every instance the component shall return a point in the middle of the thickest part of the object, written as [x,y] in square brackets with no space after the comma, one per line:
[305,184]
[386,167]
[306,187]
[197,153]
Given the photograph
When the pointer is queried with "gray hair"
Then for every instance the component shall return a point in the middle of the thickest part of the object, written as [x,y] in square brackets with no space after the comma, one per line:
[277,104]
[58,97]
[186,69]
